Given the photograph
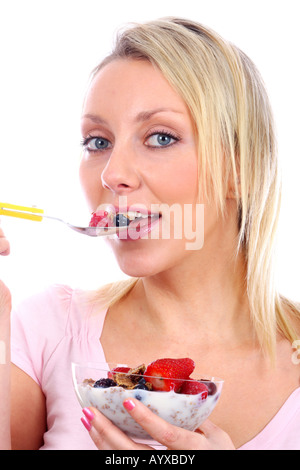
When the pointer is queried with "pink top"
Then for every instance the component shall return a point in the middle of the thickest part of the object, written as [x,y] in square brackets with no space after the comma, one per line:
[54,328]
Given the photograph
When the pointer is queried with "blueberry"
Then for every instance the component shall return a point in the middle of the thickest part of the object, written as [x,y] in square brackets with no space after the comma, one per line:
[121,220]
[104,383]
[140,387]
[138,396]
[142,381]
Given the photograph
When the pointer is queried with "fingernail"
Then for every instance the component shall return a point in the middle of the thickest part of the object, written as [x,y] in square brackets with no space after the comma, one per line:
[86,423]
[88,414]
[129,405]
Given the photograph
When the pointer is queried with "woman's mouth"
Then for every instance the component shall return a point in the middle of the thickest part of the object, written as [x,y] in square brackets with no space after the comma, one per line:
[139,223]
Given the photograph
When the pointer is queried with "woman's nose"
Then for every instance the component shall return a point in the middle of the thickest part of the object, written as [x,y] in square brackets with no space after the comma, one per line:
[120,174]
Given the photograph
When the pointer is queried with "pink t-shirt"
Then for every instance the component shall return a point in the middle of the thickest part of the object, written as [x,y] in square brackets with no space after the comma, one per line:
[54,328]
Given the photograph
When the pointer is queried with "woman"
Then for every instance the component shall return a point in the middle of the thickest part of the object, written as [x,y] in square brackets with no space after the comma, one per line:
[174,116]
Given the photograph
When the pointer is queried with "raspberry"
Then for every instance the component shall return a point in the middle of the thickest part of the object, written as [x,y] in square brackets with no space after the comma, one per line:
[193,387]
[124,370]
[99,219]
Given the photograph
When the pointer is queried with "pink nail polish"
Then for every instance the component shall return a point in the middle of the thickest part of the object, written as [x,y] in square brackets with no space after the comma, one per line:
[86,423]
[129,405]
[88,414]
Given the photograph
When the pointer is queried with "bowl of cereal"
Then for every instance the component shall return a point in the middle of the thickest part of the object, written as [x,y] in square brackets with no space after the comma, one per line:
[165,386]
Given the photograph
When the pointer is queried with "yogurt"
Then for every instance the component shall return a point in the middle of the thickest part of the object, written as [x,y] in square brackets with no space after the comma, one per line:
[182,410]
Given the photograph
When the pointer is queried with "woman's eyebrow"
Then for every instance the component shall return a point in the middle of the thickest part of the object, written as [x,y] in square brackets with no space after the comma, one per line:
[146,115]
[95,118]
[140,117]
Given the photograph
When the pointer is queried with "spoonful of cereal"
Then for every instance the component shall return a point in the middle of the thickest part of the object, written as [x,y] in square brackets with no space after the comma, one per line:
[98,226]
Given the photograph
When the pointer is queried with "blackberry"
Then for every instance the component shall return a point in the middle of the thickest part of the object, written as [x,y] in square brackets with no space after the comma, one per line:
[104,383]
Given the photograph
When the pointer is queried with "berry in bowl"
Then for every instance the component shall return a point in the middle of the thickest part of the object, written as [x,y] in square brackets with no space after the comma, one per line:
[165,386]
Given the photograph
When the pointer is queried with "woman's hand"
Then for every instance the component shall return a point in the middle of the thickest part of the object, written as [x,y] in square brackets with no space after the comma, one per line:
[4,244]
[5,298]
[5,308]
[107,436]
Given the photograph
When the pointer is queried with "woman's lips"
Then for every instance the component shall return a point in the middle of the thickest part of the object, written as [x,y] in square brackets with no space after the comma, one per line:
[140,222]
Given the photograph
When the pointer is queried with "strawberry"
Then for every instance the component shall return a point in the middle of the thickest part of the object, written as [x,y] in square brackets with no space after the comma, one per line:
[193,387]
[124,370]
[165,374]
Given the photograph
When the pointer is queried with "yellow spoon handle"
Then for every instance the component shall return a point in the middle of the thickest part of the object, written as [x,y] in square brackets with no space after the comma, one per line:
[30,213]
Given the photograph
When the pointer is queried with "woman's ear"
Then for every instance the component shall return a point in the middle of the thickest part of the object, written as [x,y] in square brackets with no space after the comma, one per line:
[234,188]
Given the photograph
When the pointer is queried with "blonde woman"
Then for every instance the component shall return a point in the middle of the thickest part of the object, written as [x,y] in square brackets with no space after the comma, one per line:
[174,117]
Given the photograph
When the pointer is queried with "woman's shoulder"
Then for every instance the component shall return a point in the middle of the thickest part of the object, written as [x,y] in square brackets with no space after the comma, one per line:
[52,297]
[51,307]
[60,300]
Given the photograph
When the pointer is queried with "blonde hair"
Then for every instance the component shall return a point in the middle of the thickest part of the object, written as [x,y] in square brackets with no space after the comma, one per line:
[234,126]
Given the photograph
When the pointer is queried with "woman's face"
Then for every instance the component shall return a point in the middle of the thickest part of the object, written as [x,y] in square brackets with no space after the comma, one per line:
[139,151]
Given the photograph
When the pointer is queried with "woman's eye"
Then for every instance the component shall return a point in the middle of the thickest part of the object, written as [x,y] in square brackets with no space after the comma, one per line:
[160,140]
[96,143]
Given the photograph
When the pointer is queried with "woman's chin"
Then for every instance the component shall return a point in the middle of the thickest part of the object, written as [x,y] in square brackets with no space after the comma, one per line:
[137,270]
[139,265]
[147,257]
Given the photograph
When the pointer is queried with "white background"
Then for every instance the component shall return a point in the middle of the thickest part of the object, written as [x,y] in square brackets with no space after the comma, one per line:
[48,49]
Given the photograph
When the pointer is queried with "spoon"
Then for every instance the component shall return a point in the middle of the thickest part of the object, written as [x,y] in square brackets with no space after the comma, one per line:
[35,214]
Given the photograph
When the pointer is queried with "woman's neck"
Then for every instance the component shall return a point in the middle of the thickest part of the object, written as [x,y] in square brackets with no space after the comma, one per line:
[211,301]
